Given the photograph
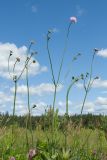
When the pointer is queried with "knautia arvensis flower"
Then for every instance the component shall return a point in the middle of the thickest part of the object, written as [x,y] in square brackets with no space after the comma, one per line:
[32,154]
[73,19]
[12,158]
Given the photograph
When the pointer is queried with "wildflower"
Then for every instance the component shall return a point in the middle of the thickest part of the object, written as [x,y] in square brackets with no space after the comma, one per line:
[18,59]
[32,153]
[12,158]
[94,152]
[73,19]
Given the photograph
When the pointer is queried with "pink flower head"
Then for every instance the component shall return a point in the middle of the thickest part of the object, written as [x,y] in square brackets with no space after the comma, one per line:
[73,19]
[12,158]
[32,153]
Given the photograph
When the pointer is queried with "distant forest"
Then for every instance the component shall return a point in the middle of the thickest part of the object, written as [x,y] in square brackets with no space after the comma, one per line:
[44,121]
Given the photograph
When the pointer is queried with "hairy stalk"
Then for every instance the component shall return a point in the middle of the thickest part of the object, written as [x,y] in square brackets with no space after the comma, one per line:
[28,118]
[56,81]
[67,95]
[64,51]
[14,107]
[28,103]
[67,105]
[88,87]
[14,66]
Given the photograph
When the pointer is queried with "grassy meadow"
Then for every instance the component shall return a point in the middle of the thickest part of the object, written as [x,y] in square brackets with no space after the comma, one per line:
[52,137]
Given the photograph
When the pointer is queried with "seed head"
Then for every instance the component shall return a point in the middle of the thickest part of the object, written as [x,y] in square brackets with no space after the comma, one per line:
[11,52]
[18,59]
[96,77]
[49,31]
[32,42]
[34,106]
[14,78]
[34,61]
[96,50]
[73,78]
[82,76]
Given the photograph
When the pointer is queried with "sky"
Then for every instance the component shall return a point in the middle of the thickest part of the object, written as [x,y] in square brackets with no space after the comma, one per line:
[22,21]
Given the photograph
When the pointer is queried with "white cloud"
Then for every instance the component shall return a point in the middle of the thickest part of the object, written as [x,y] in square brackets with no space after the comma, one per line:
[101,101]
[99,83]
[102,53]
[4,98]
[17,52]
[42,89]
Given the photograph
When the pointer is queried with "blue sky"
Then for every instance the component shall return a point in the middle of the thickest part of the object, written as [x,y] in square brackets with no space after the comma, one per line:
[24,20]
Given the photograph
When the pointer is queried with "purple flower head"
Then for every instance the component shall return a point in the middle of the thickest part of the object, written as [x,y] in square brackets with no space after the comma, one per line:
[32,153]
[73,19]
[12,158]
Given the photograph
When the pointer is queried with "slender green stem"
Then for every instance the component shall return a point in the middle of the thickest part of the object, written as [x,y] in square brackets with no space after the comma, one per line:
[28,103]
[67,96]
[88,87]
[63,55]
[50,61]
[14,66]
[14,107]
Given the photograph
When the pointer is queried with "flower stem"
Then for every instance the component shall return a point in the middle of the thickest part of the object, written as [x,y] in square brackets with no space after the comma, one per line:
[14,107]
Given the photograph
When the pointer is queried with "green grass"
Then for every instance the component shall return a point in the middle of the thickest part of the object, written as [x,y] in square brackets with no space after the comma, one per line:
[81,144]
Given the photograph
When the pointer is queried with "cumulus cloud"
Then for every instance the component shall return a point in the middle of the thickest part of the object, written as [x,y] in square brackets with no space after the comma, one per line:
[99,83]
[42,89]
[17,52]
[101,101]
[102,53]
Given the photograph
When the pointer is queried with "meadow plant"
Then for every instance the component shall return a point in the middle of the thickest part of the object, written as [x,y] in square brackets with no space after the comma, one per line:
[15,78]
[56,80]
[28,94]
[32,154]
[12,158]
[88,80]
